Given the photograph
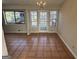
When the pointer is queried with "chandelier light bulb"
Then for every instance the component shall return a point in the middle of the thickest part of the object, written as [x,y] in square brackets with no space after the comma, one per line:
[44,3]
[41,4]
[37,3]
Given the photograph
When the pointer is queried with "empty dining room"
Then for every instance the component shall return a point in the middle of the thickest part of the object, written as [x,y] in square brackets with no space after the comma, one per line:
[39,29]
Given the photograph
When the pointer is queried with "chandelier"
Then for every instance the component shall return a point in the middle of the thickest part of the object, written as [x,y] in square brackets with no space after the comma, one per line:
[41,4]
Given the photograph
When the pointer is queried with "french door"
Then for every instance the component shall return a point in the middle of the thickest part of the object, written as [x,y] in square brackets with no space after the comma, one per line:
[43,21]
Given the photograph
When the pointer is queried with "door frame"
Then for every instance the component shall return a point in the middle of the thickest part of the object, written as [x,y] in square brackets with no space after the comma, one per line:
[39,19]
[48,30]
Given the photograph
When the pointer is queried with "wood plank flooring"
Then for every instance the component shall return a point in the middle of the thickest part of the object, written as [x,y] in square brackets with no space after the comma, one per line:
[36,46]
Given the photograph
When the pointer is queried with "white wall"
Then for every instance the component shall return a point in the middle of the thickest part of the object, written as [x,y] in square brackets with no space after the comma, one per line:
[15,28]
[67,25]
[4,48]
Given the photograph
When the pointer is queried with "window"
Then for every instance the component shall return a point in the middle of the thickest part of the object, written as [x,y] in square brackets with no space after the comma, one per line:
[9,17]
[43,24]
[43,16]
[53,18]
[19,17]
[43,20]
[34,24]
[33,19]
[13,17]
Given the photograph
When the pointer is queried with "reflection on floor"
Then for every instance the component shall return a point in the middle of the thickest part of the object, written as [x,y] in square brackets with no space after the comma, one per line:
[36,46]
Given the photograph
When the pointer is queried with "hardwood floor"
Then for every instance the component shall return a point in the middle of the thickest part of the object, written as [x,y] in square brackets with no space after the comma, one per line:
[36,46]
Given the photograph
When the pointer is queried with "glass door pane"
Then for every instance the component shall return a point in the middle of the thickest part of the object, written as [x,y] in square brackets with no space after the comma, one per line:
[33,17]
[43,16]
[43,25]
[53,19]
[34,26]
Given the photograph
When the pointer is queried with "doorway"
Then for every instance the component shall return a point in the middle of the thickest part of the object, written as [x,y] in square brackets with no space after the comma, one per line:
[43,21]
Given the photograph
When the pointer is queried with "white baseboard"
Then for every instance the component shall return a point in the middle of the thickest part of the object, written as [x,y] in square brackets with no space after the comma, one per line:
[45,32]
[67,45]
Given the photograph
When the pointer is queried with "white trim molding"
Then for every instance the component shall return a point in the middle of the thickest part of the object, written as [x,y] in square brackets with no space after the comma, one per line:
[67,45]
[43,32]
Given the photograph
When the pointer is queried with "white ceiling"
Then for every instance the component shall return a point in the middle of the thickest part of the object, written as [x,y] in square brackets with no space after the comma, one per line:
[31,2]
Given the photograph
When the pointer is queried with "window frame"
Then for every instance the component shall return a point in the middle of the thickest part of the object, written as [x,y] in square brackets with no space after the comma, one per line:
[33,29]
[57,15]
[18,10]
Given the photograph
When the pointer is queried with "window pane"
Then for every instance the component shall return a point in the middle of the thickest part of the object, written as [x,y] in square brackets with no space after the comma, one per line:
[43,16]
[53,15]
[34,24]
[43,25]
[33,16]
[9,15]
[19,17]
[53,23]
[53,12]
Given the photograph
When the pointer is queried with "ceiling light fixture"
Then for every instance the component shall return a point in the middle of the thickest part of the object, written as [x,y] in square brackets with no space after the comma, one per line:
[41,4]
